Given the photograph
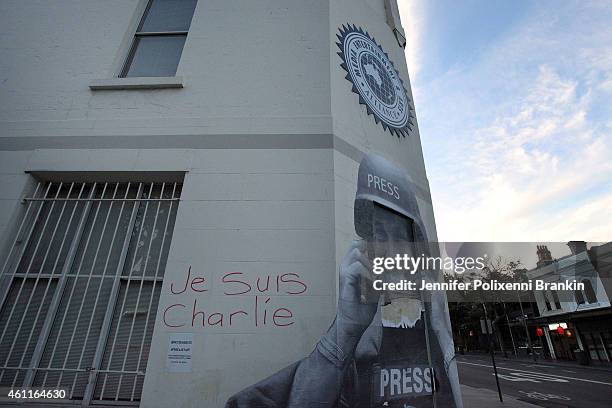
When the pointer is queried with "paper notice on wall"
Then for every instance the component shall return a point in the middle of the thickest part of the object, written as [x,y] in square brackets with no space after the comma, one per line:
[180,350]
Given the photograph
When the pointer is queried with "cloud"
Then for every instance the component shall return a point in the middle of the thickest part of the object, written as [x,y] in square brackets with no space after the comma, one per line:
[518,144]
[412,13]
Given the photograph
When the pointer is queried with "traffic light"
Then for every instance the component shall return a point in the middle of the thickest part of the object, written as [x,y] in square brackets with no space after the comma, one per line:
[540,332]
[560,330]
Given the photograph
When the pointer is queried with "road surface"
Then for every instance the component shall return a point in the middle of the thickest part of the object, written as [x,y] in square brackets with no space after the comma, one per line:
[541,384]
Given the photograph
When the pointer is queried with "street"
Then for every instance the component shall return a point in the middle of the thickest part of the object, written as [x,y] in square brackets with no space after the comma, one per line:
[543,384]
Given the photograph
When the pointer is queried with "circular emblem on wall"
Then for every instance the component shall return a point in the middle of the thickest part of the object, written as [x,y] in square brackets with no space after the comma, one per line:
[375,80]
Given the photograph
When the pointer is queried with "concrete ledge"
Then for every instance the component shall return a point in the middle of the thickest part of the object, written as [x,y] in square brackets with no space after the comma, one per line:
[136,83]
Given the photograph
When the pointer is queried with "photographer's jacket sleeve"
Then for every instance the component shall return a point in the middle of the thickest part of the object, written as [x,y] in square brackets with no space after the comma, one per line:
[315,381]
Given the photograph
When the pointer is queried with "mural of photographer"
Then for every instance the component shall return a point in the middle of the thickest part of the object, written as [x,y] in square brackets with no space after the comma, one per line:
[384,349]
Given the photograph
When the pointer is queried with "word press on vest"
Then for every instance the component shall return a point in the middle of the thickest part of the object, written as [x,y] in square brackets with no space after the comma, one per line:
[399,381]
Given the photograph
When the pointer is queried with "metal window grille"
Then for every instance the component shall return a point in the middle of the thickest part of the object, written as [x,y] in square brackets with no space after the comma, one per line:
[80,287]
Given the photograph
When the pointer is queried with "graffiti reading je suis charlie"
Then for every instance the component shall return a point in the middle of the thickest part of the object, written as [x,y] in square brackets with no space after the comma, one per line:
[258,311]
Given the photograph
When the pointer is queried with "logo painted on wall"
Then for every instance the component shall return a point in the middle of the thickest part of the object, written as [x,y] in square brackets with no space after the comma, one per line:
[375,80]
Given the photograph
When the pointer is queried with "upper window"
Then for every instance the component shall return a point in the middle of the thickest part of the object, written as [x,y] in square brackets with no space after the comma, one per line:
[546,300]
[159,39]
[579,297]
[589,291]
[556,299]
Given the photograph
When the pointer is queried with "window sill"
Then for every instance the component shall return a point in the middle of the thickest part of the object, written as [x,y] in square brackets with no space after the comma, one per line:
[136,83]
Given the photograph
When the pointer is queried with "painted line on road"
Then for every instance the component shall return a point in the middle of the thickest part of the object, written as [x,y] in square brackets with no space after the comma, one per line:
[536,366]
[538,373]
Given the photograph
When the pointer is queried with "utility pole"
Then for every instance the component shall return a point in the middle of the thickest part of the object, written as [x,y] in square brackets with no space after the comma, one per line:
[486,324]
[510,329]
[524,318]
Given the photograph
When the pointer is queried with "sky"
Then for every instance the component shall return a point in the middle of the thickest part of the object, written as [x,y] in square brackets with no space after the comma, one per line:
[514,105]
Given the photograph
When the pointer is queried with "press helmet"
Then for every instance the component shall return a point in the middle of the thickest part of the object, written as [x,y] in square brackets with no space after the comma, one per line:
[379,181]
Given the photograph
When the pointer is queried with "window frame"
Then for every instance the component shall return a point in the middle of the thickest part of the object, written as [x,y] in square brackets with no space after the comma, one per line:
[547,302]
[129,58]
[579,297]
[589,293]
[556,300]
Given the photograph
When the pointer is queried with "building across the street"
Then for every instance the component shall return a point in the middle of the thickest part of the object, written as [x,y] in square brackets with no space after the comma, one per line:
[178,179]
[577,325]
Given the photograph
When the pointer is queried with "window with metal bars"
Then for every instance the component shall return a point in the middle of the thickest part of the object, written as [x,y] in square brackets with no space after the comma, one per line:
[80,287]
[160,38]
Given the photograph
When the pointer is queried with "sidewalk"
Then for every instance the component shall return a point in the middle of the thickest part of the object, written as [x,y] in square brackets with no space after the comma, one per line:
[483,398]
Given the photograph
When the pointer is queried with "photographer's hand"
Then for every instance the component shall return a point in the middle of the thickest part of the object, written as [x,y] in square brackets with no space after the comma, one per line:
[319,377]
[354,315]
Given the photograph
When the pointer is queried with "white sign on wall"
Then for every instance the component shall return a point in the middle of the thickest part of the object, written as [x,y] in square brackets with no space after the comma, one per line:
[180,350]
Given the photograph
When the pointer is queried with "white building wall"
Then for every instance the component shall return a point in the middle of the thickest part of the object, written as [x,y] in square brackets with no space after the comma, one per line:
[269,136]
[264,65]
[350,121]
[273,216]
